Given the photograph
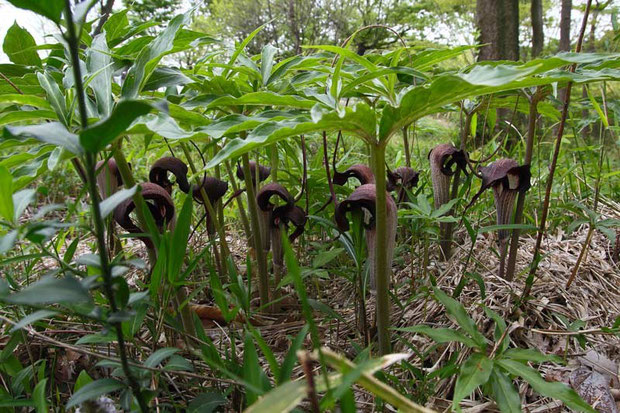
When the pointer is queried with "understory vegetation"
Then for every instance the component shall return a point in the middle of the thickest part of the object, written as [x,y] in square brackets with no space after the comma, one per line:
[396,230]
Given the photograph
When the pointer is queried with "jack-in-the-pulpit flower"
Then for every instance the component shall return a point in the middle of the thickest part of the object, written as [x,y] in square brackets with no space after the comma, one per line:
[507,179]
[361,172]
[159,204]
[402,179]
[444,160]
[108,178]
[364,199]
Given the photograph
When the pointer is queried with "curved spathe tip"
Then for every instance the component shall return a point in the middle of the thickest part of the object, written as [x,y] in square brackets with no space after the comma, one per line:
[446,158]
[263,198]
[263,172]
[160,169]
[361,172]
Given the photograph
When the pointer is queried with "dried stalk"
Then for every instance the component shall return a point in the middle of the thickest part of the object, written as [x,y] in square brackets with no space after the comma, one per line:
[543,219]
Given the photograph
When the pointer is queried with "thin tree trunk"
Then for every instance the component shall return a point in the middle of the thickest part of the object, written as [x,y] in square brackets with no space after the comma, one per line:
[538,36]
[567,6]
[498,24]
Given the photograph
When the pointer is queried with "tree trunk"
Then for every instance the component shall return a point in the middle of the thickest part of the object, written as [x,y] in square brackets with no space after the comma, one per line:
[498,24]
[538,36]
[567,6]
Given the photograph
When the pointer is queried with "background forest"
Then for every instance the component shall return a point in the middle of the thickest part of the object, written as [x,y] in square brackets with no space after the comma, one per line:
[309,205]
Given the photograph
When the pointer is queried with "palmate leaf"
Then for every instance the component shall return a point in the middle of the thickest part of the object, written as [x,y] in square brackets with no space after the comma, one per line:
[359,120]
[486,78]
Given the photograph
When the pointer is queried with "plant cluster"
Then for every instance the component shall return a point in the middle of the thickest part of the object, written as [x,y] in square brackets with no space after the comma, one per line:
[97,102]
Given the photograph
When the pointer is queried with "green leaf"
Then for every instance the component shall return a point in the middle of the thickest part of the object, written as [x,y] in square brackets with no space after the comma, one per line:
[50,290]
[555,390]
[266,62]
[31,318]
[97,136]
[286,369]
[24,100]
[150,56]
[108,205]
[54,96]
[116,26]
[52,9]
[180,237]
[38,396]
[20,47]
[504,393]
[82,380]
[267,352]
[262,99]
[53,133]
[252,370]
[457,311]
[359,120]
[98,63]
[282,399]
[242,46]
[93,390]
[474,372]
[530,354]
[441,335]
[159,356]
[206,403]
[6,195]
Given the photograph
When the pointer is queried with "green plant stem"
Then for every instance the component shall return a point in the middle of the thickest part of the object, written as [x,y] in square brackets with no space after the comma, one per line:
[242,215]
[516,233]
[222,257]
[138,199]
[558,143]
[90,161]
[263,276]
[382,272]
[273,158]
[406,146]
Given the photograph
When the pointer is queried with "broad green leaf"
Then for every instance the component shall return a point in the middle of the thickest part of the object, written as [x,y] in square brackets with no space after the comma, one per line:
[504,393]
[166,76]
[236,123]
[54,96]
[31,318]
[160,356]
[6,194]
[474,373]
[359,120]
[24,100]
[555,390]
[116,26]
[52,9]
[486,78]
[266,62]
[150,56]
[26,115]
[262,99]
[457,311]
[93,390]
[108,205]
[82,380]
[20,47]
[51,290]
[283,398]
[206,403]
[97,136]
[530,354]
[99,61]
[441,335]
[38,396]
[523,227]
[53,133]
[267,353]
